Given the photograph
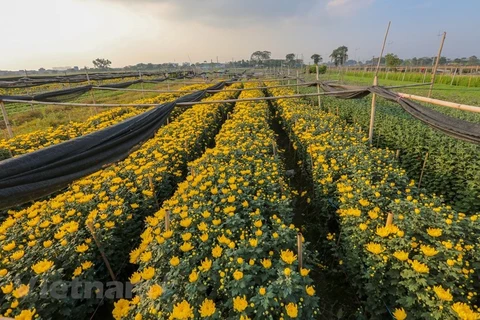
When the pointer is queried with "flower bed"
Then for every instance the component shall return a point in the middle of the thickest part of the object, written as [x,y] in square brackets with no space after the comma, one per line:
[50,240]
[426,263]
[228,250]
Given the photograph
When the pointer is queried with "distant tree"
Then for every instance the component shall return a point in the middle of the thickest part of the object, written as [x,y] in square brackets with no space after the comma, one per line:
[392,60]
[41,70]
[339,55]
[290,59]
[443,60]
[473,60]
[260,56]
[316,58]
[100,63]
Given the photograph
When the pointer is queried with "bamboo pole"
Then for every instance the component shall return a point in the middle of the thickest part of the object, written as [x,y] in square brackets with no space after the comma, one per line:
[5,119]
[104,257]
[91,91]
[453,78]
[372,113]
[423,169]
[375,83]
[318,87]
[140,78]
[299,251]
[298,90]
[436,64]
[438,102]
[167,220]
[404,73]
[389,219]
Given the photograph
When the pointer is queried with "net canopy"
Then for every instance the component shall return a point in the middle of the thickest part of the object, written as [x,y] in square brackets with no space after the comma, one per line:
[47,170]
[454,127]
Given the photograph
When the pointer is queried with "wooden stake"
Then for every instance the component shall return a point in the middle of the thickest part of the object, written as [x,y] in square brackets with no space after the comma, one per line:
[375,83]
[436,64]
[397,155]
[143,89]
[453,78]
[91,91]
[298,90]
[167,220]
[152,188]
[104,257]
[372,113]
[389,219]
[318,88]
[423,169]
[5,119]
[299,251]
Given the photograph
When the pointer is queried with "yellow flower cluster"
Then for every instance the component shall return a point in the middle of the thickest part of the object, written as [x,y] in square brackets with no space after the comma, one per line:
[26,143]
[50,238]
[233,211]
[427,245]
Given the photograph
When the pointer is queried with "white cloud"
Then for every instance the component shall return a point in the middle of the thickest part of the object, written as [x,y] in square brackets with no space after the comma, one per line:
[346,7]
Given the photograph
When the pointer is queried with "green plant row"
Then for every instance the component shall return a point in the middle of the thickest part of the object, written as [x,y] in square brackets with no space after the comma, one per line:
[50,239]
[424,265]
[452,168]
[230,251]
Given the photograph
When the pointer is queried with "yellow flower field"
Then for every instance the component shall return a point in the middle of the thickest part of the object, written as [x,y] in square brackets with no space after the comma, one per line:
[50,238]
[229,250]
[426,264]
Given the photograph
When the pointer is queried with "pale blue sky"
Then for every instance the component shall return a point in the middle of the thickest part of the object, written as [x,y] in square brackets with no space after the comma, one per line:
[52,33]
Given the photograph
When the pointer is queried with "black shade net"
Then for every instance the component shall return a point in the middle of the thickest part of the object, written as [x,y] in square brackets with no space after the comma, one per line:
[52,96]
[63,95]
[33,81]
[457,128]
[47,170]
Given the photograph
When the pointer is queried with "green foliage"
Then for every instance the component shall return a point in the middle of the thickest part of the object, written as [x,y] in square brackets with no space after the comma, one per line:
[101,63]
[339,55]
[321,69]
[392,60]
[260,56]
[453,167]
[316,58]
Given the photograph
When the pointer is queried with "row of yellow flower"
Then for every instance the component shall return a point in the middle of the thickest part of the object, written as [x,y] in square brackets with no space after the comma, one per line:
[50,239]
[229,251]
[26,143]
[427,262]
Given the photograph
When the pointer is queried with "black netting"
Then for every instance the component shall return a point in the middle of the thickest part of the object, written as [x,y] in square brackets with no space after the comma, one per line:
[47,170]
[32,81]
[121,84]
[63,95]
[457,128]
[52,96]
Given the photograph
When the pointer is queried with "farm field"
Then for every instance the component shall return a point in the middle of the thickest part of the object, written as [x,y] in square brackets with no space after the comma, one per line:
[254,210]
[240,160]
